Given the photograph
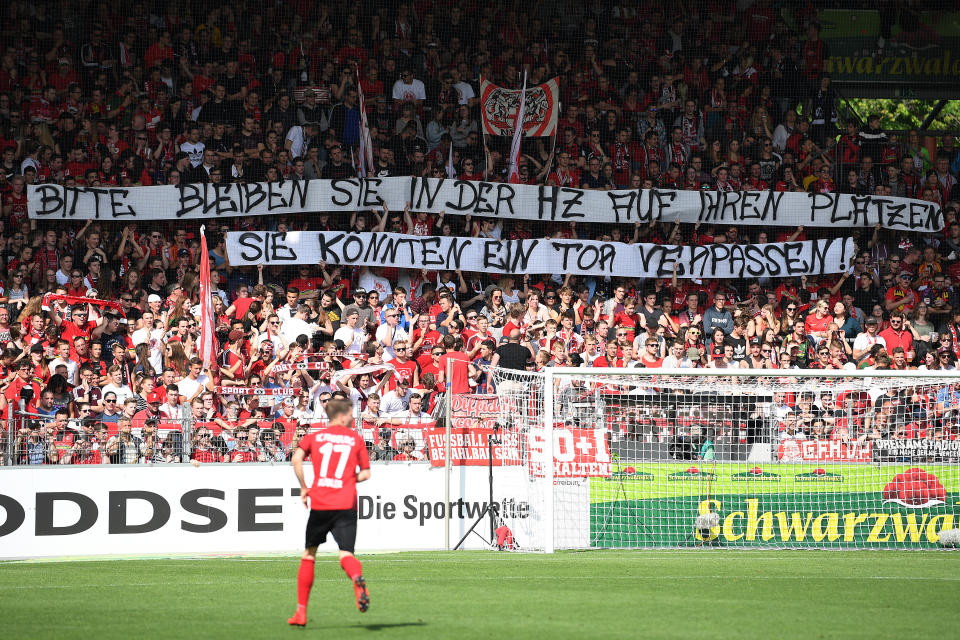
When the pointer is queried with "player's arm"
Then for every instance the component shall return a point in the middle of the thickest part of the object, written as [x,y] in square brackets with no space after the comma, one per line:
[297,461]
[363,475]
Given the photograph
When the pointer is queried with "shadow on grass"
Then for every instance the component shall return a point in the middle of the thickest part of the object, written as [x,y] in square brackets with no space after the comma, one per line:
[378,626]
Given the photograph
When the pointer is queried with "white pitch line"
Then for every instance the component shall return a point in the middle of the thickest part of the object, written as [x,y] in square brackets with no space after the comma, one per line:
[461,579]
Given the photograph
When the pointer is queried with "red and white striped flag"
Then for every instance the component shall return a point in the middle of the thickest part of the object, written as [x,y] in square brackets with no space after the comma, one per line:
[208,337]
[365,161]
[514,173]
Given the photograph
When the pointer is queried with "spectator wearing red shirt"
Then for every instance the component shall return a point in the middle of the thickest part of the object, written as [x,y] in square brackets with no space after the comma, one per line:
[898,335]
[817,322]
[628,319]
[459,365]
[159,51]
[611,357]
[901,297]
[202,449]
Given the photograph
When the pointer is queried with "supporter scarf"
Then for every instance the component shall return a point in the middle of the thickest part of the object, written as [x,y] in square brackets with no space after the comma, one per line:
[621,157]
[357,371]
[301,366]
[678,153]
[955,345]
[258,391]
[72,300]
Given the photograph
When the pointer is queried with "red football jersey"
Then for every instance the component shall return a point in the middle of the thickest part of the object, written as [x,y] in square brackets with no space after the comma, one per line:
[336,453]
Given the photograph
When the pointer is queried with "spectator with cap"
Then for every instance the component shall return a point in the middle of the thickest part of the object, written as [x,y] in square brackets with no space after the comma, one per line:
[152,412]
[300,137]
[866,340]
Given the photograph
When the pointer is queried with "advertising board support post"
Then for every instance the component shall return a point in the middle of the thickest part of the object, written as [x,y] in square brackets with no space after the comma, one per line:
[490,511]
[548,470]
[7,441]
[448,465]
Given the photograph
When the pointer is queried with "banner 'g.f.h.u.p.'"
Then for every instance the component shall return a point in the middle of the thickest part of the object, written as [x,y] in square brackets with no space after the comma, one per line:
[499,106]
[492,199]
[584,257]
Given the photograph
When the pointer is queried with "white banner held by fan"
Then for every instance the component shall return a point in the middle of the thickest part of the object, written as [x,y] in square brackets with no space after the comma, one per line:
[584,257]
[504,201]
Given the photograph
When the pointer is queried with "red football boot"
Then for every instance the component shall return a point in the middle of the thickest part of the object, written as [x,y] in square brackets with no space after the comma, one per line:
[360,590]
[298,619]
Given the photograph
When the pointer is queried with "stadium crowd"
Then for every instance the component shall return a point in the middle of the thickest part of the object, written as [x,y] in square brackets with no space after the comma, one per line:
[679,97]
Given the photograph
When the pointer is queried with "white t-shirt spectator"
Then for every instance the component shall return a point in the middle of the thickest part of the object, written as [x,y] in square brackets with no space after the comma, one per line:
[195,151]
[352,339]
[154,338]
[796,435]
[865,341]
[294,327]
[409,92]
[385,331]
[464,92]
[673,362]
[298,142]
[122,392]
[392,402]
[318,409]
[371,282]
[275,338]
[69,364]
[188,386]
[286,312]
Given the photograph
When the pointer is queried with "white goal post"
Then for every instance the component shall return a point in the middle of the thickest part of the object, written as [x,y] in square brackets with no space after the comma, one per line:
[656,458]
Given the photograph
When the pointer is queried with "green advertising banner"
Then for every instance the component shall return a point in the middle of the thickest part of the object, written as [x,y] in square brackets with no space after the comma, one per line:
[923,48]
[786,505]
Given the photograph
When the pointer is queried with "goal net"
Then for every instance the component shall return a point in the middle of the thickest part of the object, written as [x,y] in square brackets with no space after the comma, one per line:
[702,458]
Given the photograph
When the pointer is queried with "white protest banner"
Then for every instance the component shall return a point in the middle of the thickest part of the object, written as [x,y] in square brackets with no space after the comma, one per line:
[495,199]
[585,257]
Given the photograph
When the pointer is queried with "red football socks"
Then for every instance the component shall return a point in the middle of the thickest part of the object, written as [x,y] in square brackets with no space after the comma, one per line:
[351,566]
[304,583]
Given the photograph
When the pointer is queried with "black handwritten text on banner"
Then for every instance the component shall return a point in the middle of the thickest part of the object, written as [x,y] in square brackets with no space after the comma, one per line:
[584,257]
[506,201]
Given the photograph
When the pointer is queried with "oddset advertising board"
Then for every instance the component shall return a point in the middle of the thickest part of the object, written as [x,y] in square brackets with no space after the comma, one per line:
[781,505]
[215,509]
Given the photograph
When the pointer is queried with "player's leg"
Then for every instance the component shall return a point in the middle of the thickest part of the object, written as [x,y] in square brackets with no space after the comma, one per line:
[304,583]
[352,567]
[318,525]
[345,534]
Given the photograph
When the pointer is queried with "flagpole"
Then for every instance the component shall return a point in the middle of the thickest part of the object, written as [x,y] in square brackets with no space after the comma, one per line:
[207,342]
[556,132]
[513,173]
[483,138]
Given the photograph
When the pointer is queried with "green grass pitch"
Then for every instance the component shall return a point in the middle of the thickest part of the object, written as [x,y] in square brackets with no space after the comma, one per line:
[706,593]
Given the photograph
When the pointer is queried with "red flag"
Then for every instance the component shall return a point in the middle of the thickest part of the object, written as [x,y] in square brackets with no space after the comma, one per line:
[514,173]
[208,338]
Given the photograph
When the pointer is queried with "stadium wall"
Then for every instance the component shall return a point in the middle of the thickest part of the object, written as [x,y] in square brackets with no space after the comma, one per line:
[55,512]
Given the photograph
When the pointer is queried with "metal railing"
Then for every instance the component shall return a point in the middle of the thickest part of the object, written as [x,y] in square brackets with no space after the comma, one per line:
[33,439]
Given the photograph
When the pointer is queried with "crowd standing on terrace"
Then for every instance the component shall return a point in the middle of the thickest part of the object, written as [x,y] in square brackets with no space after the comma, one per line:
[690,96]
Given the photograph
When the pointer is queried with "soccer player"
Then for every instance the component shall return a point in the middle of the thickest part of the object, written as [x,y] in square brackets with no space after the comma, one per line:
[340,461]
